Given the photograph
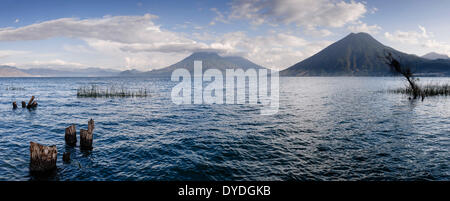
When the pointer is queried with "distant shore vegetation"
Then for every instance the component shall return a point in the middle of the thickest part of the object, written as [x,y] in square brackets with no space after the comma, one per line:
[95,91]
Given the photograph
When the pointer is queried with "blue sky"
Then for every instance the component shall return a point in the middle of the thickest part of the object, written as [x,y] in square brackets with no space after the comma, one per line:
[153,34]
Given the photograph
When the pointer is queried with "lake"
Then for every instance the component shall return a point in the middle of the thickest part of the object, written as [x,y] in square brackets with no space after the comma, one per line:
[327,128]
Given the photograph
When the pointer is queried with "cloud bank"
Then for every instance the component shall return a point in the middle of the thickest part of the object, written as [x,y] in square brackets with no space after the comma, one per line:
[137,41]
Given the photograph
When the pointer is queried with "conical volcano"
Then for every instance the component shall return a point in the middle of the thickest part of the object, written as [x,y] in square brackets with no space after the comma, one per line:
[359,55]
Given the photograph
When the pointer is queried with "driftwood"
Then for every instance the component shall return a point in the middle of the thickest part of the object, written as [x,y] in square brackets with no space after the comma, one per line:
[42,158]
[86,136]
[24,104]
[71,135]
[14,105]
[66,157]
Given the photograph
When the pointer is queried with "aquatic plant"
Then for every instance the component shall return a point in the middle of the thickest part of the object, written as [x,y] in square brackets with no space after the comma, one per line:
[94,91]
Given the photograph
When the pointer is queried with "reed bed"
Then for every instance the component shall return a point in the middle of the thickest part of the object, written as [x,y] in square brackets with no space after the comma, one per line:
[94,91]
[426,90]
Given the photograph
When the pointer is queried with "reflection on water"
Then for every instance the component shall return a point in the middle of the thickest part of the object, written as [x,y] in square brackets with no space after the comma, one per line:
[326,129]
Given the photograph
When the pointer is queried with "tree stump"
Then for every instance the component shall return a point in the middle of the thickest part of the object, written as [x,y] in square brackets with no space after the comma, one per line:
[87,136]
[71,135]
[42,158]
[24,104]
[14,105]
[66,157]
[85,139]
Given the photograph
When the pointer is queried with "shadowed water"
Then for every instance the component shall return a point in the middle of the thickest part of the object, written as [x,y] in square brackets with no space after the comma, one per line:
[326,129]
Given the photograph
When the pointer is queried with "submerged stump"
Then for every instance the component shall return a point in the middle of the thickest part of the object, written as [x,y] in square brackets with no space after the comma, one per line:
[86,136]
[71,135]
[24,104]
[42,158]
[14,105]
[66,157]
[85,139]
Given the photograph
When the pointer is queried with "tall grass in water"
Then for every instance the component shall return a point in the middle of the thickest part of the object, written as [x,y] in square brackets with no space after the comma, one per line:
[426,90]
[94,91]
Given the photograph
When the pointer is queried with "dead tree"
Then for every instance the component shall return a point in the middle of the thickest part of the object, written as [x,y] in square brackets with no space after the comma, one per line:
[86,136]
[42,158]
[71,135]
[406,73]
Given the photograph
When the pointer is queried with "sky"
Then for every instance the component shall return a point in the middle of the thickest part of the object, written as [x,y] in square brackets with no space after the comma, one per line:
[146,35]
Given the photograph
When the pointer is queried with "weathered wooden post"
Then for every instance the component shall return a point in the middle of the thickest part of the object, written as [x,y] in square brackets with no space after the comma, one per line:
[66,157]
[32,103]
[85,139]
[91,126]
[24,104]
[14,105]
[71,135]
[86,136]
[42,158]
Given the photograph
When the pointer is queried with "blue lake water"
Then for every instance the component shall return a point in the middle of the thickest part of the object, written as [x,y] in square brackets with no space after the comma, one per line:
[336,128]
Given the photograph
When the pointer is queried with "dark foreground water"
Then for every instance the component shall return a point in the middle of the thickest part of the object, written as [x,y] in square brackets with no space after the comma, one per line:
[326,129]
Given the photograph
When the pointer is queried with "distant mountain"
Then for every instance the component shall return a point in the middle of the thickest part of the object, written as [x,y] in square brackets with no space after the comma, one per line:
[361,55]
[434,55]
[130,73]
[9,71]
[209,60]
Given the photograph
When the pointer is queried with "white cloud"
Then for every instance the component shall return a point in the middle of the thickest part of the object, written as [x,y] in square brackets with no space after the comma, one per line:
[276,50]
[56,62]
[363,27]
[313,31]
[8,64]
[8,53]
[329,13]
[16,21]
[423,39]
[409,37]
[123,29]
[219,17]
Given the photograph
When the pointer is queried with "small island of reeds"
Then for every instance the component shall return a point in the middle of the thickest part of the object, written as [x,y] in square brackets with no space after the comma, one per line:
[95,91]
[425,90]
